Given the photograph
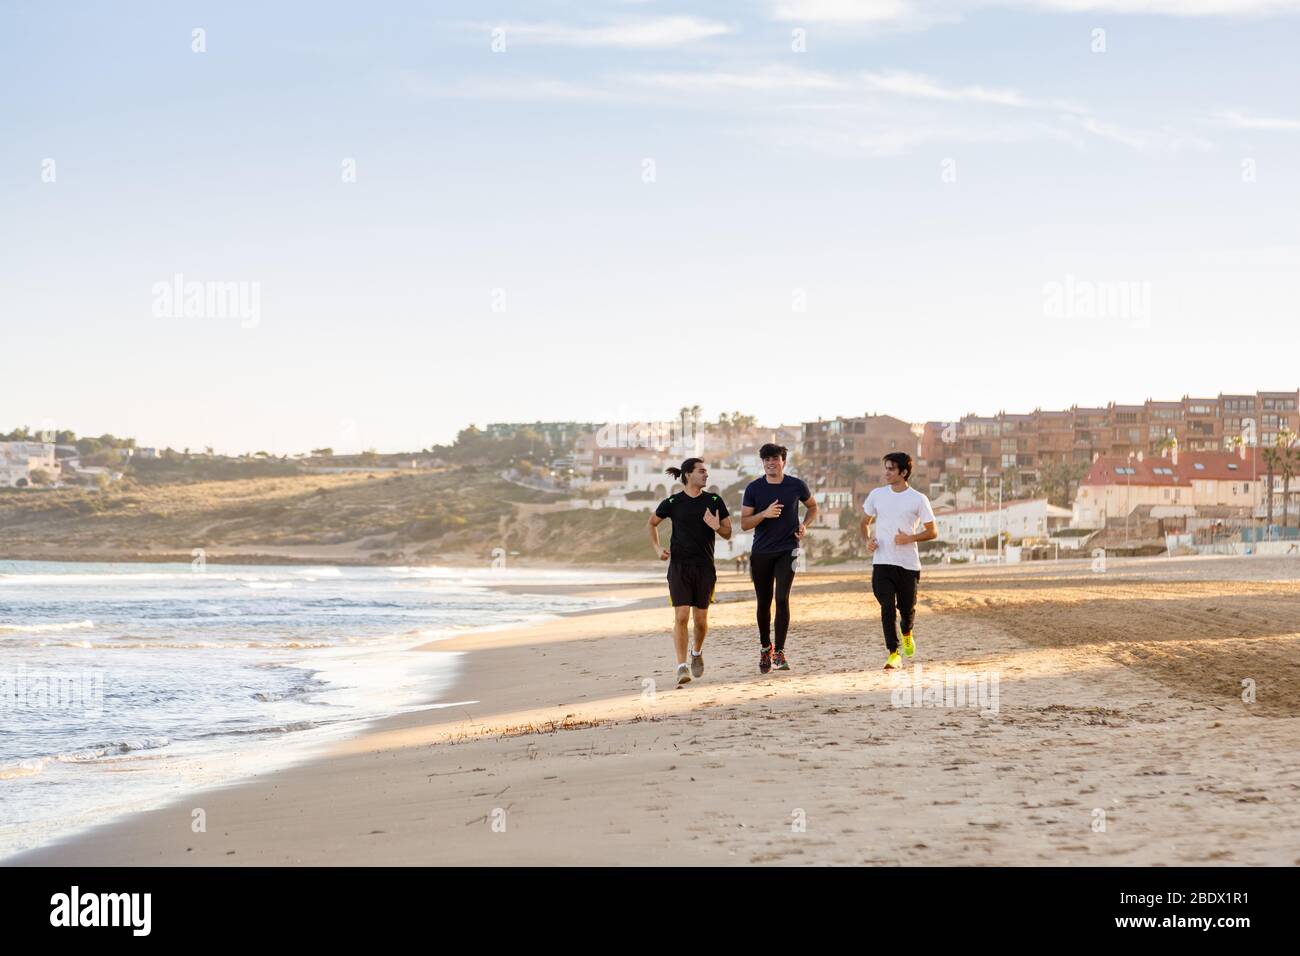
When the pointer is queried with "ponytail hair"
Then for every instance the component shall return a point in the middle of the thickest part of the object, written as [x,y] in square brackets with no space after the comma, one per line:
[688,466]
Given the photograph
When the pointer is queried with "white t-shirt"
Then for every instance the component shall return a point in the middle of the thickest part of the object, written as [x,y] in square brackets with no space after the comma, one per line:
[896,511]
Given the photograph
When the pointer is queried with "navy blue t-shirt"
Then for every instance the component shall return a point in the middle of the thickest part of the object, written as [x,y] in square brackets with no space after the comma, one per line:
[776,534]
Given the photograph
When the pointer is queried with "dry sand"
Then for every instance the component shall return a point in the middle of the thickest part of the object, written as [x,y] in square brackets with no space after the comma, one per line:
[1120,737]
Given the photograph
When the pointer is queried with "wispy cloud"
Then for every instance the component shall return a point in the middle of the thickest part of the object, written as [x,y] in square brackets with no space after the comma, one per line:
[863,113]
[915,84]
[881,137]
[518,87]
[645,33]
[920,13]
[1169,8]
[884,83]
[1239,120]
[1140,140]
[762,79]
[845,11]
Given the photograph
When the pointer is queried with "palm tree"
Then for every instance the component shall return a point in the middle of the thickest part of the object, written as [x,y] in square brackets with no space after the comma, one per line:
[952,482]
[724,426]
[1051,479]
[1287,463]
[1271,456]
[1012,474]
[854,472]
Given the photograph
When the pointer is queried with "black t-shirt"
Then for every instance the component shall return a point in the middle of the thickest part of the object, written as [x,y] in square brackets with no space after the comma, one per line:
[692,541]
[776,534]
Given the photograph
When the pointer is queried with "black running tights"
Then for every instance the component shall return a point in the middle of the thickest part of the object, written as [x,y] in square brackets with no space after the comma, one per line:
[772,573]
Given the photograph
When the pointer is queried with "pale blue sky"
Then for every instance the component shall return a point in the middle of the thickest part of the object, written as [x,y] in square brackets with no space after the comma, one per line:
[522,170]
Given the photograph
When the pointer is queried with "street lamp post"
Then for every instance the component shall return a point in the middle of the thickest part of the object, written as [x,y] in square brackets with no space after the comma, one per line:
[1128,496]
[1000,480]
[984,522]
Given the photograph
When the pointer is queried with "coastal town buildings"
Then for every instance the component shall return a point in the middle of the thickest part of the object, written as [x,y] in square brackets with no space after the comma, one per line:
[24,463]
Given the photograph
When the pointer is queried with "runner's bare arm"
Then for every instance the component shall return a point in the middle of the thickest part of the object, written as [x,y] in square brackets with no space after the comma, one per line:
[928,534]
[724,529]
[749,520]
[653,524]
[810,515]
[867,522]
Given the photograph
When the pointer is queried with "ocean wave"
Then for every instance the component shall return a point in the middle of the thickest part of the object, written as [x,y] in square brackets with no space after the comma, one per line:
[88,577]
[286,728]
[113,749]
[31,766]
[120,645]
[46,628]
[325,571]
[270,696]
[16,769]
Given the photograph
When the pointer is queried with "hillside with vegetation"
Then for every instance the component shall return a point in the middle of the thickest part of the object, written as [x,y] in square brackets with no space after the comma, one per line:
[457,515]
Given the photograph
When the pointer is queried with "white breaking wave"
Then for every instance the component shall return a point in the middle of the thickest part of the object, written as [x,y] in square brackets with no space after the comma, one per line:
[46,628]
[113,749]
[31,766]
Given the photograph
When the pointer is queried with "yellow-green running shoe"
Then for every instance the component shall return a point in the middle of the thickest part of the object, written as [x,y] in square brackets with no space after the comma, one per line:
[909,645]
[894,661]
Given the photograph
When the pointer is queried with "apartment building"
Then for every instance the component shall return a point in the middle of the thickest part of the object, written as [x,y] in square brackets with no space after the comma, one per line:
[833,448]
[1030,443]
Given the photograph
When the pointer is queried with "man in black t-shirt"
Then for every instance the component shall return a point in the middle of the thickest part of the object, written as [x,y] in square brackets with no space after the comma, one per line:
[697,516]
[770,508]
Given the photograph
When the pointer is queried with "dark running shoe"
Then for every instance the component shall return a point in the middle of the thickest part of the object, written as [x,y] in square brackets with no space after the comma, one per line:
[779,661]
[765,660]
[697,665]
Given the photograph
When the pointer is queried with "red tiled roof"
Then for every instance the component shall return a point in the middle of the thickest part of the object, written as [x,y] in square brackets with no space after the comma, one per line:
[1213,467]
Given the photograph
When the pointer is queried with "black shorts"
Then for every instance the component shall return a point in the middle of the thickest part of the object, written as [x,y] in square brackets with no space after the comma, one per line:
[690,584]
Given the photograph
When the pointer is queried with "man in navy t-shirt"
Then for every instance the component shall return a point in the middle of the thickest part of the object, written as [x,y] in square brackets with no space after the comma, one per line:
[771,508]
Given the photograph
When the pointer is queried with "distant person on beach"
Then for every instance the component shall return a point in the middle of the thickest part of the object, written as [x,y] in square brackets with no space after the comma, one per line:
[771,508]
[697,517]
[891,515]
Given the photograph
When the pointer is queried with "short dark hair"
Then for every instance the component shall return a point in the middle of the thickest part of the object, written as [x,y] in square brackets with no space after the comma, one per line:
[688,466]
[901,459]
[772,450]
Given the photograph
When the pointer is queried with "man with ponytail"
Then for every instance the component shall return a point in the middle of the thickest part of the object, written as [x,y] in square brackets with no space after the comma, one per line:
[697,517]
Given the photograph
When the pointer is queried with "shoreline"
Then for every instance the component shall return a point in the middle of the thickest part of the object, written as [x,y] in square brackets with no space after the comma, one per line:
[572,757]
[193,768]
[461,692]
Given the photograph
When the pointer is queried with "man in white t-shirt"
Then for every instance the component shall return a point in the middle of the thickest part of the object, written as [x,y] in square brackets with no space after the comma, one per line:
[892,515]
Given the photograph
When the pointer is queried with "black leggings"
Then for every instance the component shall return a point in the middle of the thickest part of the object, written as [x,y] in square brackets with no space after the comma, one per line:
[772,571]
[895,587]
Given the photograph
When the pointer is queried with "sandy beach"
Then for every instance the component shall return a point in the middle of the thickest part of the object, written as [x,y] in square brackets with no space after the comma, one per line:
[1108,727]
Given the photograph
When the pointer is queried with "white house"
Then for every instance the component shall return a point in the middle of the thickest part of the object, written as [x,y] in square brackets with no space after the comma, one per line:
[1026,518]
[18,459]
[1115,487]
[647,474]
